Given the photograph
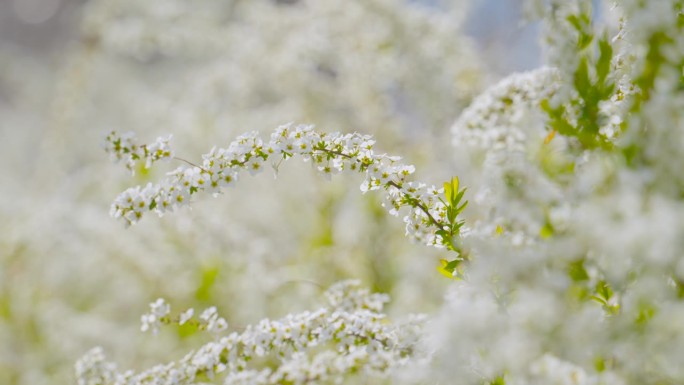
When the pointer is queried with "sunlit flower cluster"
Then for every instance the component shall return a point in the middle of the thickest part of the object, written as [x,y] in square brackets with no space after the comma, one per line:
[496,118]
[329,153]
[123,148]
[349,335]
[152,320]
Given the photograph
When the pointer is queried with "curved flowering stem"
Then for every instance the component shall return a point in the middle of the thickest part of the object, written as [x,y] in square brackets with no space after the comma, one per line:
[349,335]
[189,162]
[123,148]
[431,219]
[389,183]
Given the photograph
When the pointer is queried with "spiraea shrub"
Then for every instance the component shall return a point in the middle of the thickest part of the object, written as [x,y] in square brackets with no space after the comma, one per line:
[553,208]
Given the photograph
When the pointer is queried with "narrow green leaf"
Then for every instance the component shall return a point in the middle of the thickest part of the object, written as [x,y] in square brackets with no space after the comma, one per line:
[605,57]
[208,277]
[442,268]
[448,192]
[461,207]
[581,79]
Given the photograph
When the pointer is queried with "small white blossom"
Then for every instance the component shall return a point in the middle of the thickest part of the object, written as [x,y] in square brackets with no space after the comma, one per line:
[152,320]
[185,316]
[124,148]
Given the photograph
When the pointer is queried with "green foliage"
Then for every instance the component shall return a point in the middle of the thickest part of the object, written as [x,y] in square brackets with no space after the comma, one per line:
[601,364]
[655,59]
[646,311]
[450,233]
[577,272]
[654,62]
[188,329]
[207,280]
[582,23]
[580,117]
[679,286]
[605,296]
[498,380]
[547,229]
[583,290]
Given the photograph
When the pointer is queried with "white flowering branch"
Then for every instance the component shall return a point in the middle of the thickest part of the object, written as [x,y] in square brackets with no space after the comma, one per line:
[349,335]
[124,148]
[430,219]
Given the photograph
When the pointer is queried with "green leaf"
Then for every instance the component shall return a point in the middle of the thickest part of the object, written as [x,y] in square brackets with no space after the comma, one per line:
[451,189]
[447,268]
[600,300]
[443,270]
[577,272]
[458,197]
[604,290]
[546,231]
[605,57]
[461,207]
[187,329]
[208,276]
[575,21]
[582,24]
[599,364]
[581,79]
[646,312]
[499,380]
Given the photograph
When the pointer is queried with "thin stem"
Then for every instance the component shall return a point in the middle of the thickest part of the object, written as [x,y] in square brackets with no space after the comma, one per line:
[333,152]
[190,163]
[420,206]
[391,183]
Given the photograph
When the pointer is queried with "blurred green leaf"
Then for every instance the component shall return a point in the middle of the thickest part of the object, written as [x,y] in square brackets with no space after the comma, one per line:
[208,276]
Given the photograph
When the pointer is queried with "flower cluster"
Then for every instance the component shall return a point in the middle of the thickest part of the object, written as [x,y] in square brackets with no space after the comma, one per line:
[551,370]
[493,120]
[124,148]
[348,295]
[209,319]
[152,320]
[329,153]
[349,335]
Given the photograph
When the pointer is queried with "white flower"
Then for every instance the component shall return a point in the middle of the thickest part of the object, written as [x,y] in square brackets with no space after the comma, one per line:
[185,316]
[152,320]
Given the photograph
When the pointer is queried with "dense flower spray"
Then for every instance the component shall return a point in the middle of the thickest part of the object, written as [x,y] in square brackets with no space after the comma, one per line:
[350,335]
[431,219]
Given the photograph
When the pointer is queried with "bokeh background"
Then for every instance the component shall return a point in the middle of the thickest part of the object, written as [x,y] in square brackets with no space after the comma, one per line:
[70,71]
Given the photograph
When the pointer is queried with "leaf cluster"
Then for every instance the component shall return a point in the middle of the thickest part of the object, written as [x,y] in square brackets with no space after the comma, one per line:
[451,231]
[581,117]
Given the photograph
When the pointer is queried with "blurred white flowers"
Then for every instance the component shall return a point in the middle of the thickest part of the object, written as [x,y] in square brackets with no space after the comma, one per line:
[152,320]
